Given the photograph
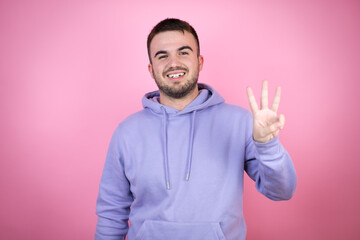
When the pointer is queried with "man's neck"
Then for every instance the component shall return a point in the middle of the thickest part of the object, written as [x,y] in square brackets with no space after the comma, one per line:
[179,103]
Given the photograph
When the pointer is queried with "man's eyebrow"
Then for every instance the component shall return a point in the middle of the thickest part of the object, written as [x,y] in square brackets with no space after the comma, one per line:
[185,47]
[179,49]
[160,52]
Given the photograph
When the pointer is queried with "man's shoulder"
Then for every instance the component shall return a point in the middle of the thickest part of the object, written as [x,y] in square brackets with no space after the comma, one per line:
[233,109]
[136,118]
[131,123]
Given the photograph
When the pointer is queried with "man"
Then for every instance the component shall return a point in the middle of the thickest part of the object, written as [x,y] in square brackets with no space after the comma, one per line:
[175,169]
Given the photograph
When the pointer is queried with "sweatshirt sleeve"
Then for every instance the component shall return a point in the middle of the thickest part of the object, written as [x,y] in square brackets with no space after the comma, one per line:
[114,198]
[270,166]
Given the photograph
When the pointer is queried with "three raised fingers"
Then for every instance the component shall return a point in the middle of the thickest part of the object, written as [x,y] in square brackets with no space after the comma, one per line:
[264,98]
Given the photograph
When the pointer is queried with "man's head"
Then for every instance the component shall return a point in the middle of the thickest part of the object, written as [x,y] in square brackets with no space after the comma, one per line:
[175,60]
[172,24]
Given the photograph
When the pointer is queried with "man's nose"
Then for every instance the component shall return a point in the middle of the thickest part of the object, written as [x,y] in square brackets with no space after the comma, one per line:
[174,61]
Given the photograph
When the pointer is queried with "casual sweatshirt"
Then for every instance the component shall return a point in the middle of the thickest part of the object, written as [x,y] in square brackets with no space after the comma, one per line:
[177,175]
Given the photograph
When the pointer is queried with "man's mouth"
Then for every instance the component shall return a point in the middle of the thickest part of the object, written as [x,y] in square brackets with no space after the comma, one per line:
[175,75]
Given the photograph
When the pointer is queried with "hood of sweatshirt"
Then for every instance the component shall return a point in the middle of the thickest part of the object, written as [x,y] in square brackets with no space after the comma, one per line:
[207,97]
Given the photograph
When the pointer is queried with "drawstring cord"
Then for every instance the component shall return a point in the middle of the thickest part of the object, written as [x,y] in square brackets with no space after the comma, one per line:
[191,143]
[165,148]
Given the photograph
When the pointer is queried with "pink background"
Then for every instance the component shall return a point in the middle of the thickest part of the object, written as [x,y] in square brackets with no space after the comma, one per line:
[70,71]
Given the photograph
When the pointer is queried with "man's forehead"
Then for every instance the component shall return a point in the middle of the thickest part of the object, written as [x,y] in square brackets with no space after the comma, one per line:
[172,39]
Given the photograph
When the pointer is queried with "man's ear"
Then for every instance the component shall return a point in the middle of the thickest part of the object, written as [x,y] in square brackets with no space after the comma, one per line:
[201,62]
[150,70]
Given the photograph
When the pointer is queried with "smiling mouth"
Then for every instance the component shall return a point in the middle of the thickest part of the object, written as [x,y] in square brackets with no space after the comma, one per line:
[175,75]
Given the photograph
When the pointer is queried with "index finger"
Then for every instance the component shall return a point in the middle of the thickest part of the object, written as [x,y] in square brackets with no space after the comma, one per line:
[252,101]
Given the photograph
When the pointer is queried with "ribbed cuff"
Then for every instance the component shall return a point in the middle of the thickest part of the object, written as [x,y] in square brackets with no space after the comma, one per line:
[269,147]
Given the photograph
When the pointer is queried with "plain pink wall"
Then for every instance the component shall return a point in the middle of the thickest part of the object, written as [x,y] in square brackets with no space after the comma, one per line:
[70,71]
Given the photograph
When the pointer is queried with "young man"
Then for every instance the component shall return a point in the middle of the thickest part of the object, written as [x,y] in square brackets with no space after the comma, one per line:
[175,170]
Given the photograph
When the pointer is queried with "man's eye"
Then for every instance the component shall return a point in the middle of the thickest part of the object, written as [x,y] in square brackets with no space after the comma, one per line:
[162,56]
[184,53]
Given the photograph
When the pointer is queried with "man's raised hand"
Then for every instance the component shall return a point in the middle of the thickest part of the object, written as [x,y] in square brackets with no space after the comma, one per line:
[267,123]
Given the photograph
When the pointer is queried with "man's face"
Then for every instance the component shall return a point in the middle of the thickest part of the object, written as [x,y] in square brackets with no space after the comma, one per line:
[175,65]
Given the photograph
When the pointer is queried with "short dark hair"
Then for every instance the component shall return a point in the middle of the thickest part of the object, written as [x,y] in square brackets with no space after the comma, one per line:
[172,24]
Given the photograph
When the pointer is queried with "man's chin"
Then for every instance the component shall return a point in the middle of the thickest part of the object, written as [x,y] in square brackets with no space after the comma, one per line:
[177,92]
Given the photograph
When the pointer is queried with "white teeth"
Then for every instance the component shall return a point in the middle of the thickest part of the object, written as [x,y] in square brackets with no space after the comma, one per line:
[175,75]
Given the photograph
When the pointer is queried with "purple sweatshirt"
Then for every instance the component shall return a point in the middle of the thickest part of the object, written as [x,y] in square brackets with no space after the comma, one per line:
[179,175]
